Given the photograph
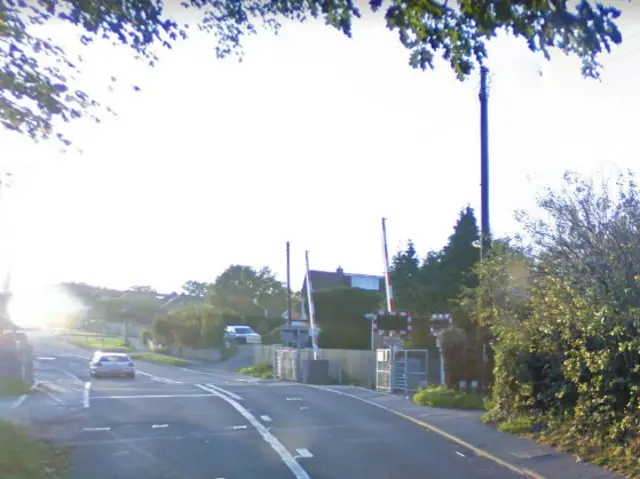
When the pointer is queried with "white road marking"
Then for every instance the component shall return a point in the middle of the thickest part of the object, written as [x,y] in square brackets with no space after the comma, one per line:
[294,399]
[304,408]
[159,379]
[46,359]
[153,396]
[86,395]
[225,392]
[304,453]
[121,453]
[477,450]
[159,426]
[265,418]
[96,429]
[244,426]
[277,446]
[460,454]
[18,401]
[52,396]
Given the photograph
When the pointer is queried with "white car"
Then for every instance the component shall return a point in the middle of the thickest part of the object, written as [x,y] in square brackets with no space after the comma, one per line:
[242,335]
[111,364]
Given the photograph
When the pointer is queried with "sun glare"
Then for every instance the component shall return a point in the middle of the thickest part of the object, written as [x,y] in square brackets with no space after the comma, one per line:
[43,306]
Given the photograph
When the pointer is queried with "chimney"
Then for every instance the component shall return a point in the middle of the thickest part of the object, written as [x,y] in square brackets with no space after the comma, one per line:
[340,271]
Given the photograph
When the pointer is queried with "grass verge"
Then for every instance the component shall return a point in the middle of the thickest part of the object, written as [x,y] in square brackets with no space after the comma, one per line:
[260,370]
[106,343]
[160,359]
[441,396]
[13,387]
[23,458]
[621,458]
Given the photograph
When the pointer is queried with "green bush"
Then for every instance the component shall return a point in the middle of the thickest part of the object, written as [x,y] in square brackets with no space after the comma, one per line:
[441,396]
[261,370]
[340,314]
[564,319]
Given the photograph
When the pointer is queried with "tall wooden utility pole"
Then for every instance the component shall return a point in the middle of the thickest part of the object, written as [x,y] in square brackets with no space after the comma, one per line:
[485,229]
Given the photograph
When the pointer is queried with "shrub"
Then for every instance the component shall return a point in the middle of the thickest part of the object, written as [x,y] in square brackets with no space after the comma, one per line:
[441,396]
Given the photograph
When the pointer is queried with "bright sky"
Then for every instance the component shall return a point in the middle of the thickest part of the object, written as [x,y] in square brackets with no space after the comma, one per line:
[312,139]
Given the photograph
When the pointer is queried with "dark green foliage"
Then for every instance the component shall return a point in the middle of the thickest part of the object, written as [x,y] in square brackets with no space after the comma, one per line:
[434,286]
[457,32]
[340,315]
[565,316]
[200,326]
[246,292]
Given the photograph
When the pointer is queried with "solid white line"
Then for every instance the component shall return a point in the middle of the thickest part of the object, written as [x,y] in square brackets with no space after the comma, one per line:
[96,429]
[18,401]
[159,379]
[304,453]
[478,451]
[225,392]
[85,396]
[265,418]
[159,426]
[153,396]
[277,446]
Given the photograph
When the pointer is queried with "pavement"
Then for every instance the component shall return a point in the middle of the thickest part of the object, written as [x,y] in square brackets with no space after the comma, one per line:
[172,422]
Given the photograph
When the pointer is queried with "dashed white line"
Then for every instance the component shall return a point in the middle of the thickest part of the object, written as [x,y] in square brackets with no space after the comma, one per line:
[277,446]
[294,399]
[304,453]
[86,395]
[265,418]
[121,453]
[159,426]
[460,454]
[96,429]
[244,426]
[46,359]
[304,408]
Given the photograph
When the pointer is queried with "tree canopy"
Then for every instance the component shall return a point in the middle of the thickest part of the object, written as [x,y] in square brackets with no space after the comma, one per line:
[36,73]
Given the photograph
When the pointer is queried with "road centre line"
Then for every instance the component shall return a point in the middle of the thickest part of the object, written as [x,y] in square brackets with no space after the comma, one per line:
[224,391]
[277,446]
[305,453]
[86,395]
[153,396]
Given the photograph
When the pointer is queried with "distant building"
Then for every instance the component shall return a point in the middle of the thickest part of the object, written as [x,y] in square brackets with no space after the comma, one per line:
[325,280]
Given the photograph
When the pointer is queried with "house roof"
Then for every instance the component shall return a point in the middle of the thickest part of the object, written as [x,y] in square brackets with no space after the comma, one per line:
[323,280]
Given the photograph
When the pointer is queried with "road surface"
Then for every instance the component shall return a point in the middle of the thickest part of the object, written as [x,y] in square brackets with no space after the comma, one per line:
[172,423]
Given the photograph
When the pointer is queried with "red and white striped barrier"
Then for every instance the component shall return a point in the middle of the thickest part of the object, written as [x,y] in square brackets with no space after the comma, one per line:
[391,332]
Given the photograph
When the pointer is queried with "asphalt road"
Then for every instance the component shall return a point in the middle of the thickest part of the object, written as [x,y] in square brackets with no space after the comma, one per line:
[178,423]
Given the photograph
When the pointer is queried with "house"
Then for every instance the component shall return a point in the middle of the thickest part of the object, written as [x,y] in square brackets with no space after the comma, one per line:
[324,280]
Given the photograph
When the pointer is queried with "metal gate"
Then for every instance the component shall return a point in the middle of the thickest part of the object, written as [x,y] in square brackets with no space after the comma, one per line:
[286,364]
[383,370]
[401,370]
